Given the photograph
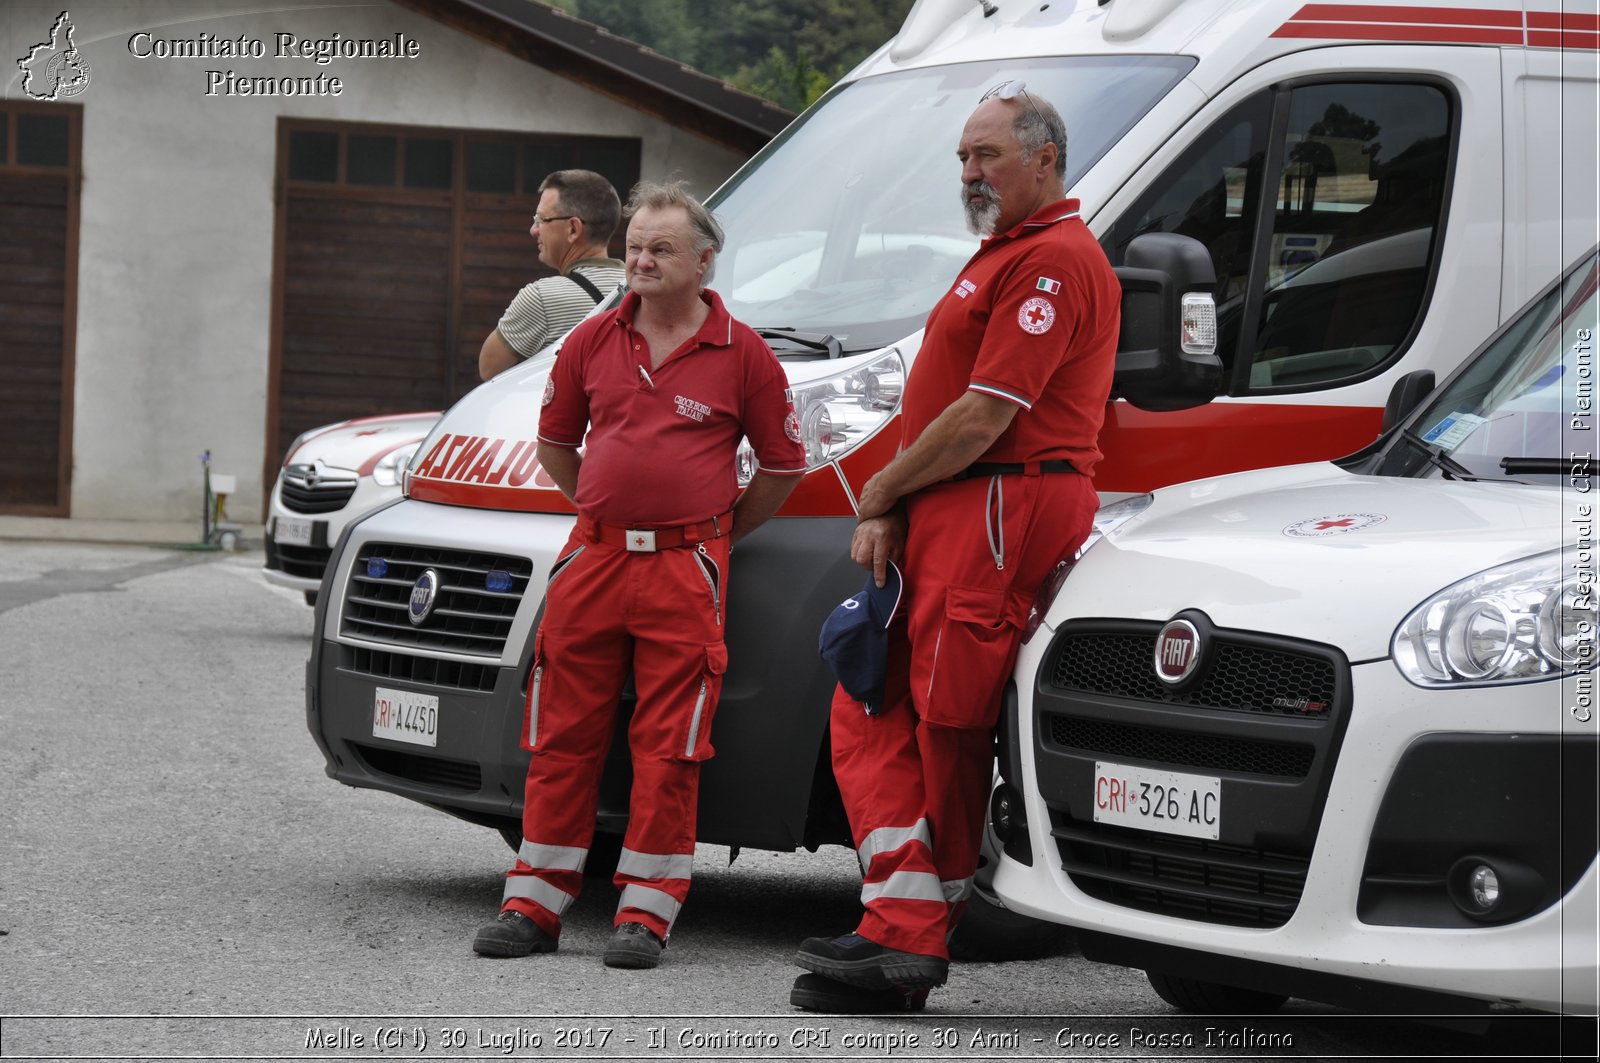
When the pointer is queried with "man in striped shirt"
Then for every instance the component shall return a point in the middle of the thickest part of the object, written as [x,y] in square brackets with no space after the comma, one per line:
[577,213]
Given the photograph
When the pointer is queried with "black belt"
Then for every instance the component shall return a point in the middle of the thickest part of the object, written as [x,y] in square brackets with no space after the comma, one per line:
[1007,468]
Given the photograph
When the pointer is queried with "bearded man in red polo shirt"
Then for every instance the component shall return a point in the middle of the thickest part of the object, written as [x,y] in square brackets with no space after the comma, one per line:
[666,384]
[989,492]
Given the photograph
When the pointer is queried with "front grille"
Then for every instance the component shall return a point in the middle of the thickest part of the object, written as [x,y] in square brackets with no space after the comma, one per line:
[308,562]
[1185,749]
[456,775]
[1240,676]
[1187,878]
[466,617]
[432,671]
[316,489]
[1262,713]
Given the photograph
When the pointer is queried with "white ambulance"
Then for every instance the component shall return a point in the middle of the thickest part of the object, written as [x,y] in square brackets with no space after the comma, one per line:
[330,476]
[1329,730]
[1374,187]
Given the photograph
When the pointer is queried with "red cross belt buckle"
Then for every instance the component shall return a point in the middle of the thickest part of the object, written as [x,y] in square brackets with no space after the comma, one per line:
[642,541]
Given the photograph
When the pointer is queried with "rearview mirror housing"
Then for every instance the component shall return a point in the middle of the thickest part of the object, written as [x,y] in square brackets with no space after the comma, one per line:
[1166,351]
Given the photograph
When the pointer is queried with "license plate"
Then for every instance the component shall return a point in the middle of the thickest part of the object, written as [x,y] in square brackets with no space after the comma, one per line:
[405,717]
[1169,802]
[293,531]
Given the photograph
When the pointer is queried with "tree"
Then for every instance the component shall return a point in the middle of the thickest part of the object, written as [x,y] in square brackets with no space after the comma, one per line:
[789,51]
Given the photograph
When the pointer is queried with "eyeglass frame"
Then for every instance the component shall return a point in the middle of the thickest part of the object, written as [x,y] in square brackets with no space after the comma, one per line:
[554,217]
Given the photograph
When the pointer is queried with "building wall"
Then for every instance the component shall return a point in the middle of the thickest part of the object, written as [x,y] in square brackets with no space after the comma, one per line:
[177,202]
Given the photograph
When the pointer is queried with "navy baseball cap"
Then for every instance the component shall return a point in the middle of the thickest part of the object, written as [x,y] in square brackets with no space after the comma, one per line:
[855,639]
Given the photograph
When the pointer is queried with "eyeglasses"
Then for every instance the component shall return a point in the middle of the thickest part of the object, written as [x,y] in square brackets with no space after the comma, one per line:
[537,220]
[1010,90]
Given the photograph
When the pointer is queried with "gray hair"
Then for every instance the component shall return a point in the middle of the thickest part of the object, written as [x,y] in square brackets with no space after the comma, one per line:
[1038,125]
[661,195]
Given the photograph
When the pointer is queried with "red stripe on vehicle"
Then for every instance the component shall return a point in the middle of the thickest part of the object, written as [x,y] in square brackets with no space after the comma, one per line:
[1146,450]
[482,496]
[1352,31]
[1429,16]
[1563,20]
[1552,39]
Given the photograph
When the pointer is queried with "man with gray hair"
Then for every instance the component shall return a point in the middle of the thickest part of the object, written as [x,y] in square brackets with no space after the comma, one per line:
[665,384]
[989,493]
[572,225]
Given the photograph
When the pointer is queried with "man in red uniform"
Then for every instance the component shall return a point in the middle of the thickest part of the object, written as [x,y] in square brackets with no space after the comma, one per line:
[666,385]
[989,492]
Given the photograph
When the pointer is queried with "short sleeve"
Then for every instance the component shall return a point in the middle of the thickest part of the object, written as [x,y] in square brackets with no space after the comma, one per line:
[770,422]
[1033,319]
[564,409]
[525,323]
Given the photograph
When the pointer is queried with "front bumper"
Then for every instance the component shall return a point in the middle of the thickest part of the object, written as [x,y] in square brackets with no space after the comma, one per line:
[763,789]
[1417,780]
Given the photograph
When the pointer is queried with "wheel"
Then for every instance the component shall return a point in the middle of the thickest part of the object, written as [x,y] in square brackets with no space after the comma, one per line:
[311,600]
[604,851]
[990,933]
[1211,998]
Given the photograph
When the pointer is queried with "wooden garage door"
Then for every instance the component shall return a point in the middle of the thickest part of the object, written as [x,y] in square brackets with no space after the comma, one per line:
[397,249]
[39,153]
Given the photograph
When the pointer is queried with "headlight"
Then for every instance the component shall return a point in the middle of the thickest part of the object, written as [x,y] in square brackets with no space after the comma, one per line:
[837,413]
[392,465]
[1527,620]
[1109,518]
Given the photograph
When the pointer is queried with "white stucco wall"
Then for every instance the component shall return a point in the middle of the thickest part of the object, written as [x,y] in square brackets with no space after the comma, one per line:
[175,244]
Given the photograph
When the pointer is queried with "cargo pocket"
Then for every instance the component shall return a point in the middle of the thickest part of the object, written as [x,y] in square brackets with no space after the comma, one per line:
[530,716]
[976,648]
[697,742]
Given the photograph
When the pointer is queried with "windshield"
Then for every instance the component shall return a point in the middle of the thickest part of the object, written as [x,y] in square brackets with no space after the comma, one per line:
[1524,407]
[851,225]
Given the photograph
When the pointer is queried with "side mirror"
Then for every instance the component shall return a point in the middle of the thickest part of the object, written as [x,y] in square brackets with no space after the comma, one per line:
[1167,351]
[1406,395]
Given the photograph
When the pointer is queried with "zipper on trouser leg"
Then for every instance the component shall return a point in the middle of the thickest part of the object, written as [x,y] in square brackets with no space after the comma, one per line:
[716,591]
[533,705]
[694,721]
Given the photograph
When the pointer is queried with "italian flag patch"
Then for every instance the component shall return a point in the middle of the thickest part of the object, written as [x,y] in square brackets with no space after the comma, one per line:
[1049,284]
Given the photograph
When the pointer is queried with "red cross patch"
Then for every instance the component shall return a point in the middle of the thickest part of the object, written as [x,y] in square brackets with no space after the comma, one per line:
[1036,316]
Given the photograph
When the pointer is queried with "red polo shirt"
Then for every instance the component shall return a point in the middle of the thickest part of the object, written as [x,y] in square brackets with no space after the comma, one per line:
[1032,319]
[661,442]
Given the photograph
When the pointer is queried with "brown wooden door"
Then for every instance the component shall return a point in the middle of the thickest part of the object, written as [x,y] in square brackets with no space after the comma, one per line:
[39,160]
[397,250]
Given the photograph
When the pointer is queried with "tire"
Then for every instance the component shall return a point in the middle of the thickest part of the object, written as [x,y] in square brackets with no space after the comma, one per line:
[311,600]
[604,851]
[1212,998]
[989,933]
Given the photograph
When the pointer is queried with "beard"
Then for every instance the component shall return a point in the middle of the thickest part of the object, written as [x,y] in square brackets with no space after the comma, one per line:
[981,216]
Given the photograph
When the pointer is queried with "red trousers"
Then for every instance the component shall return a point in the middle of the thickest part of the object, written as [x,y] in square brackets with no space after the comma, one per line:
[608,610]
[916,778]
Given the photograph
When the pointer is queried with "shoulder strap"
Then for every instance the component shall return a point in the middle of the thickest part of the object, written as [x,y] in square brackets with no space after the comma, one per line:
[586,284]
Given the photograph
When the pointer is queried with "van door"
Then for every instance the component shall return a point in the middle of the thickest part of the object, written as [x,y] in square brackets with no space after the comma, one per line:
[1549,160]
[1327,191]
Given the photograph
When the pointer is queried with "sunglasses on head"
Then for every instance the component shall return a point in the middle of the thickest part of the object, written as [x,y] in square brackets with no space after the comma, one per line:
[1010,90]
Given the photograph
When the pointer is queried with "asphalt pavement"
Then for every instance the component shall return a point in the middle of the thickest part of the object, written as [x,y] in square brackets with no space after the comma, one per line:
[180,879]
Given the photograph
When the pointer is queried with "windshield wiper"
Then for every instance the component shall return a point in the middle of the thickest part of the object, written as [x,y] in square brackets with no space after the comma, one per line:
[820,342]
[1449,467]
[1577,465]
